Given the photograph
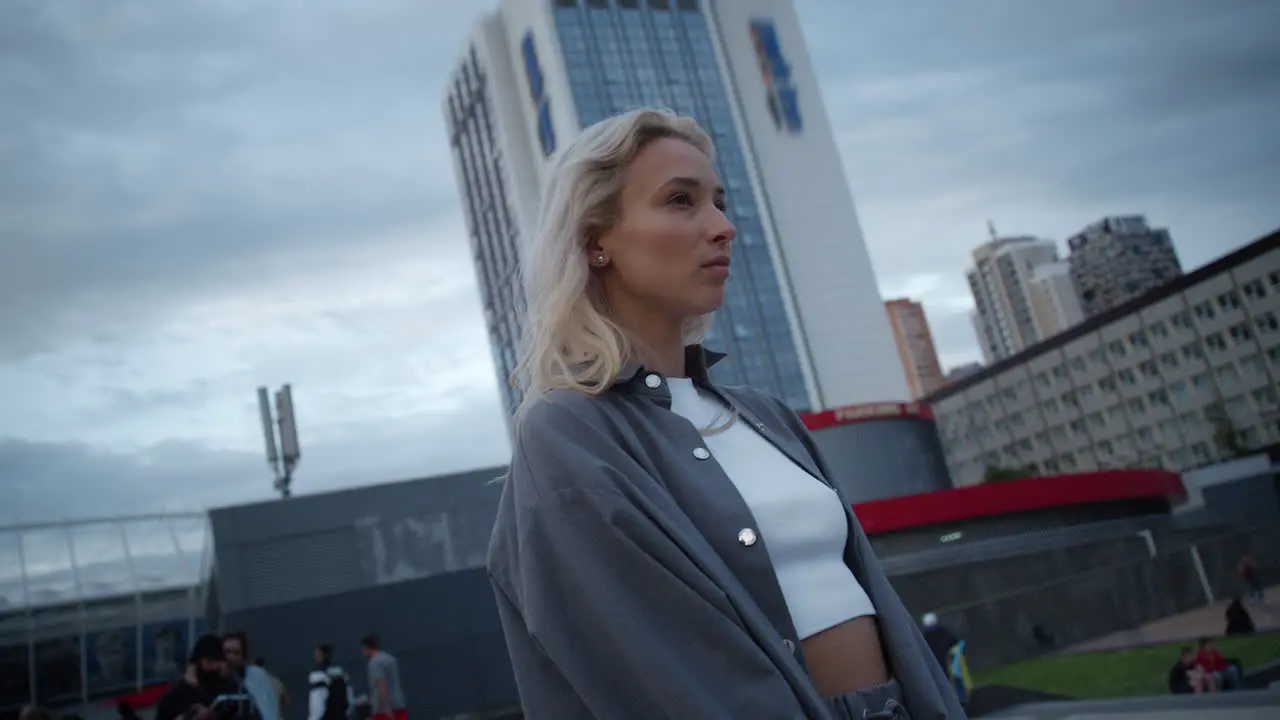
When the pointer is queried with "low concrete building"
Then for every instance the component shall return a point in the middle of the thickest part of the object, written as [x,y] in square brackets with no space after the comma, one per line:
[1166,380]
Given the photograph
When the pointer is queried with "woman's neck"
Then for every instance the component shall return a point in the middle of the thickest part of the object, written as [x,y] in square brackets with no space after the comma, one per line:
[658,342]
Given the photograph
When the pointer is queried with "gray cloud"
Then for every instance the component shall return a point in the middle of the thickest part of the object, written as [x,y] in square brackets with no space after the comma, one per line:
[197,198]
[182,150]
[58,480]
[1045,117]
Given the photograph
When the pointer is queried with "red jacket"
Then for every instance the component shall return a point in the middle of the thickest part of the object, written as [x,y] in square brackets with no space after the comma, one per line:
[1211,660]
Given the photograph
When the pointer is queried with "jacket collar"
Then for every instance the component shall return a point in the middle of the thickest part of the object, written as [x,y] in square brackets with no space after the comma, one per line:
[697,362]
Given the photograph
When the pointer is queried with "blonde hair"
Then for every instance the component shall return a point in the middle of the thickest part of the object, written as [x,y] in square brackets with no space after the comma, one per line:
[569,339]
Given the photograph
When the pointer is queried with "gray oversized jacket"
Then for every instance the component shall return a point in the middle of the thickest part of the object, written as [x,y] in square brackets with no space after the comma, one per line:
[628,585]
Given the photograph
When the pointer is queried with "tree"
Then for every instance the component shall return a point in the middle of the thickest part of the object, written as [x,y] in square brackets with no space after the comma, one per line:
[995,473]
[1225,435]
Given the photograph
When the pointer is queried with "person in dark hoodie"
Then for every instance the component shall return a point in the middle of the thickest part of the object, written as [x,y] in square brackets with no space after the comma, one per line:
[191,696]
[939,638]
[1238,620]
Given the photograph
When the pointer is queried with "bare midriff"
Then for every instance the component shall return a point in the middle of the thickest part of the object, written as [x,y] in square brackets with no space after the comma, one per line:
[846,657]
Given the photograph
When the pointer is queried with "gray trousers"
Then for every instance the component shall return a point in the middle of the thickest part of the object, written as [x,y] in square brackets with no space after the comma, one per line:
[878,702]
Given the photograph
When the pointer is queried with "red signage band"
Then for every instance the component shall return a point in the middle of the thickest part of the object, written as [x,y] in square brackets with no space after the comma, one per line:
[864,412]
[1015,496]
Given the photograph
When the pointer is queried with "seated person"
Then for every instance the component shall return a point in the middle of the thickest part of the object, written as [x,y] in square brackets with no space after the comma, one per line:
[1187,677]
[1226,674]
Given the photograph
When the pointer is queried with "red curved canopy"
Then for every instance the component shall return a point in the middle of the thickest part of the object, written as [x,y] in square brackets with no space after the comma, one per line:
[1012,496]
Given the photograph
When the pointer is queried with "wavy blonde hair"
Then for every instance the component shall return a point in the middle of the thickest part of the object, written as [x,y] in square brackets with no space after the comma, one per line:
[569,339]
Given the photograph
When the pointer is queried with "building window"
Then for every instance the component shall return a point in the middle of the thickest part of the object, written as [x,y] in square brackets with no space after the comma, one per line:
[1253,365]
[1254,290]
[1240,333]
[1265,397]
[1228,376]
[1215,342]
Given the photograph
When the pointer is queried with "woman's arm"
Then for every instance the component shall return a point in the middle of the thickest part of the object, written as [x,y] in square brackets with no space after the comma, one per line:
[608,619]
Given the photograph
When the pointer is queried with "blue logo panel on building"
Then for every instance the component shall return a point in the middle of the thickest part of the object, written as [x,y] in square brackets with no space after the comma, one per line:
[784,104]
[537,93]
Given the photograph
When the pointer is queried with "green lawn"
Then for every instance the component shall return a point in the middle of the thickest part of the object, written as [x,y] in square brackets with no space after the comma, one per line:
[1119,673]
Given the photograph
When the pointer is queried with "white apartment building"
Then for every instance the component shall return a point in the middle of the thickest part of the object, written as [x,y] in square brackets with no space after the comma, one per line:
[802,318]
[1137,386]
[1000,280]
[1055,304]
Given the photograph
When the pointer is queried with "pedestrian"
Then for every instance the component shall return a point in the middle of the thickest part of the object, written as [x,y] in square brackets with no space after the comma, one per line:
[253,680]
[282,693]
[192,696]
[1248,571]
[331,696]
[386,693]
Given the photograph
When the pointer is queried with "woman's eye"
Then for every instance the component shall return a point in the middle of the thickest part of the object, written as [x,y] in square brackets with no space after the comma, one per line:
[721,205]
[680,199]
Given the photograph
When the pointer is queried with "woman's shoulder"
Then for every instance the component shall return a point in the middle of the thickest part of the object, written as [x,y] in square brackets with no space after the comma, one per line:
[565,438]
[558,414]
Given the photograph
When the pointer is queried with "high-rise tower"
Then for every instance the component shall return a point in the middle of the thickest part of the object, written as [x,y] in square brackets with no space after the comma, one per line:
[802,318]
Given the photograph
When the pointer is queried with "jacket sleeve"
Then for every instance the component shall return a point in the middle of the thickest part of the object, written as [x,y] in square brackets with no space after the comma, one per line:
[606,617]
[318,682]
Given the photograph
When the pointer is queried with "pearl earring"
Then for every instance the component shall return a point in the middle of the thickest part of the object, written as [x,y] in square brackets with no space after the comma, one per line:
[600,259]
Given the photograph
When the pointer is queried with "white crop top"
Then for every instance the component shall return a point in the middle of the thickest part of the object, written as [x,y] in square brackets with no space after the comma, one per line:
[801,519]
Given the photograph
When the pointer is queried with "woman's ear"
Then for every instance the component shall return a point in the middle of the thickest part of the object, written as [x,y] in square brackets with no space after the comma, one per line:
[596,256]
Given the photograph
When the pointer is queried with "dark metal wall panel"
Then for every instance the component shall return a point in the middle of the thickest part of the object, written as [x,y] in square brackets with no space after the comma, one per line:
[313,546]
[444,630]
[883,458]
[301,566]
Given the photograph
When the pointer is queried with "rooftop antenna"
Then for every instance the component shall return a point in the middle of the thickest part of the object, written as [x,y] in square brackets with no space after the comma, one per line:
[991,229]
[283,457]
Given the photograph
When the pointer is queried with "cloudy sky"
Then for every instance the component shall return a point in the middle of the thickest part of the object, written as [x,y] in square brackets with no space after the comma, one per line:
[197,198]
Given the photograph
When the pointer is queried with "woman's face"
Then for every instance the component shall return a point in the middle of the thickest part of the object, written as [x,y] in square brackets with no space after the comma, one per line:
[668,254]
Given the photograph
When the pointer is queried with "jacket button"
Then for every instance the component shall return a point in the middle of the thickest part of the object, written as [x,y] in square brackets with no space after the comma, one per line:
[747,536]
[790,646]
[701,453]
[653,381]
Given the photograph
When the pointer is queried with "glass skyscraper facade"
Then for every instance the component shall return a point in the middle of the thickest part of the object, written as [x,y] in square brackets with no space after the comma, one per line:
[623,54]
[495,232]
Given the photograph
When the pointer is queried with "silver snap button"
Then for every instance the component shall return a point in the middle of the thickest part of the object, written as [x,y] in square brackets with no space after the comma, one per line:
[747,536]
[653,381]
[701,453]
[790,646]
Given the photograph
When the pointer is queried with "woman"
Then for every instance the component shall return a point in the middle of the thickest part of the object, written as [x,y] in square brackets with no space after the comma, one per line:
[665,547]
